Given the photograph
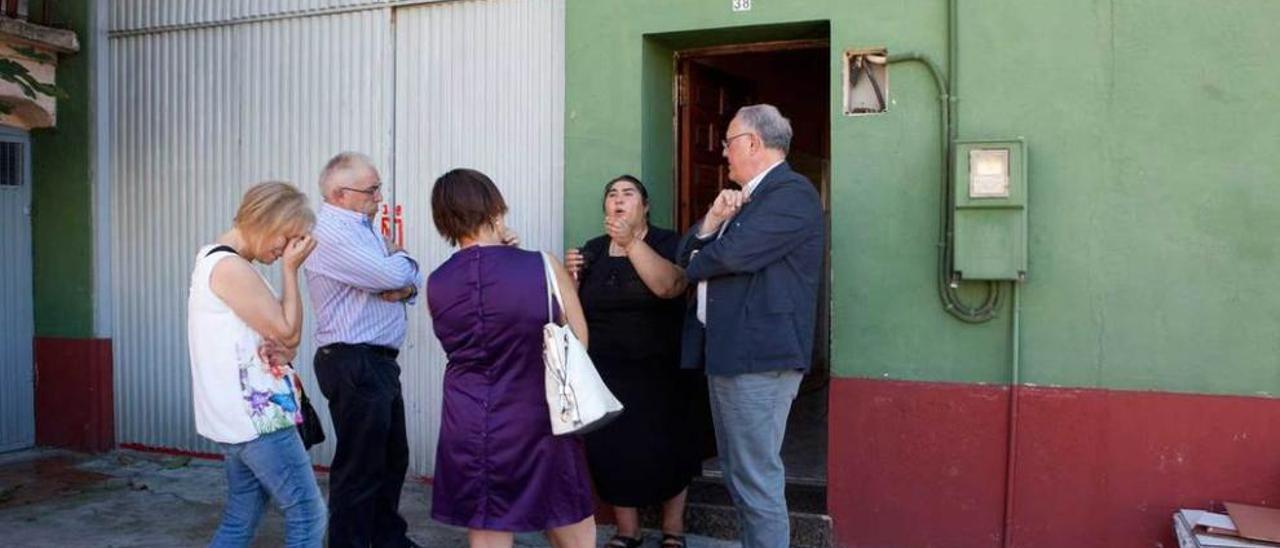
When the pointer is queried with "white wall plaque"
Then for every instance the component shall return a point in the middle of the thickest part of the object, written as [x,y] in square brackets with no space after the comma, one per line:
[741,5]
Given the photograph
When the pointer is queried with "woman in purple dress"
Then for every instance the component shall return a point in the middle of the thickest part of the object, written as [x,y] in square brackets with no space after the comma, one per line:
[499,470]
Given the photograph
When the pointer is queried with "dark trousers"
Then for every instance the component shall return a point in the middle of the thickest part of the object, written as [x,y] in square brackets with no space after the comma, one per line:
[362,383]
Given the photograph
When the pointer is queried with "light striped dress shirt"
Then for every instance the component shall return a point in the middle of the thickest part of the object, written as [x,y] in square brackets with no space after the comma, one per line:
[345,273]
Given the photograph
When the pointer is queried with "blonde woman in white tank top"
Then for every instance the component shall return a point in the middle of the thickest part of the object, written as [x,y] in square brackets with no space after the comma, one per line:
[242,337]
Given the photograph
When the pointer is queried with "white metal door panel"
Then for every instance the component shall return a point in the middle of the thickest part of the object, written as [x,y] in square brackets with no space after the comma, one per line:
[200,113]
[198,116]
[17,322]
[141,15]
[479,84]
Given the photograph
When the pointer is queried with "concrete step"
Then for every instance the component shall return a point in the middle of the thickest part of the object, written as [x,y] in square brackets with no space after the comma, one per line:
[802,496]
[715,521]
[710,513]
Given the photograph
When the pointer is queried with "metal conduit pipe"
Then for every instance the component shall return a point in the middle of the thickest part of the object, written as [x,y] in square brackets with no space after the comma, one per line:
[1015,335]
[1015,364]
[951,301]
[946,287]
[951,298]
[1011,460]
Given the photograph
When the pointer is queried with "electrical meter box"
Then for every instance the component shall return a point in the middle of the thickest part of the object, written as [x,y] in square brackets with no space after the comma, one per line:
[990,217]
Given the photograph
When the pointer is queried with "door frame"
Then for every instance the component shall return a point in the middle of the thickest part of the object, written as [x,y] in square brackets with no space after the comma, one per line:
[817,382]
[679,95]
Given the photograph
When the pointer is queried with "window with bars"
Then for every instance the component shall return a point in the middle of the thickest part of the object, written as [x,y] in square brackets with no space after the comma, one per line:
[11,168]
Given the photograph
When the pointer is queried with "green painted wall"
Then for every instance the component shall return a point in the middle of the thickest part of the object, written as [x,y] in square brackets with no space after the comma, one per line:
[61,202]
[1152,132]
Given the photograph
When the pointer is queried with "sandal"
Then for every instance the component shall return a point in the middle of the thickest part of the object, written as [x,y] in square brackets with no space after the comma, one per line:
[619,541]
[672,541]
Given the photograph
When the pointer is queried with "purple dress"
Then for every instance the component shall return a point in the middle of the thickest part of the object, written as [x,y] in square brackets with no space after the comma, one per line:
[498,467]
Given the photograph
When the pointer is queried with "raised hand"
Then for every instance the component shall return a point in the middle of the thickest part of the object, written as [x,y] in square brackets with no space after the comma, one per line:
[724,208]
[620,231]
[297,250]
[509,237]
[574,261]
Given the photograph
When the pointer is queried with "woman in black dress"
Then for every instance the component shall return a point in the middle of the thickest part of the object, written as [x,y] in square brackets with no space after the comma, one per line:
[632,295]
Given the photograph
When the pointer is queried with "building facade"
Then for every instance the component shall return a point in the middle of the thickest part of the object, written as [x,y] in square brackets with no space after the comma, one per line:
[1136,373]
[1130,373]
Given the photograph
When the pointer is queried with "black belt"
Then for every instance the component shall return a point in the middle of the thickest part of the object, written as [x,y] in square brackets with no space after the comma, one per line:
[384,351]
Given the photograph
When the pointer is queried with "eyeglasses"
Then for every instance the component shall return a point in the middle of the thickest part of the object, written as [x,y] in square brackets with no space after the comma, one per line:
[366,191]
[724,143]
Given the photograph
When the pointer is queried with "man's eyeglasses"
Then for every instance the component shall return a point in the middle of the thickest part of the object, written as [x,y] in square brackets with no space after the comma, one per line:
[724,143]
[366,191]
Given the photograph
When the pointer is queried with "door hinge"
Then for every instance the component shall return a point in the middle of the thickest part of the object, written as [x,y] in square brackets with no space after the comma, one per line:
[682,90]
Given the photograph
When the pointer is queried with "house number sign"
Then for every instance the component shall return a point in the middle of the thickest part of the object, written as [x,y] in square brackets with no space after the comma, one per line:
[741,5]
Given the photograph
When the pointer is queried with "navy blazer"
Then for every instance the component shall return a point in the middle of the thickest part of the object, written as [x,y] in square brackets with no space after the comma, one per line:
[762,278]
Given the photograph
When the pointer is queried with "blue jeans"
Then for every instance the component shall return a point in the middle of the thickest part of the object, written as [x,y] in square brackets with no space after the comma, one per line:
[276,466]
[750,415]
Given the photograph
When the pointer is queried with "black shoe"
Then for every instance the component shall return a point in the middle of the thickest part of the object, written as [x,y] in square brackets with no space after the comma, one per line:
[672,541]
[619,541]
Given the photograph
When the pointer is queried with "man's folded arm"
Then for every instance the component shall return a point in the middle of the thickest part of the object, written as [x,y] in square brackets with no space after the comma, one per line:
[772,232]
[690,244]
[365,268]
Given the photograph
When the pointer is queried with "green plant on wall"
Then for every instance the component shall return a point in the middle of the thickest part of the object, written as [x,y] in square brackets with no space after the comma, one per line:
[15,72]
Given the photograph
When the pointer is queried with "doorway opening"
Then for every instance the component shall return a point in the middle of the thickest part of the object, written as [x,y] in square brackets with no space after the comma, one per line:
[711,84]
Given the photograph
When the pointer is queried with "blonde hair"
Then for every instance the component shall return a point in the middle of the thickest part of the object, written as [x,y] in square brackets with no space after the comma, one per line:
[272,207]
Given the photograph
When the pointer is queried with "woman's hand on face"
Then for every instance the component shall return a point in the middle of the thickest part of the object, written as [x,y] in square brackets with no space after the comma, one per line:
[509,237]
[620,231]
[297,250]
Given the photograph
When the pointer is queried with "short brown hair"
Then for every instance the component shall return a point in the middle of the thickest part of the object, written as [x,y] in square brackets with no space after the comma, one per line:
[463,201]
[270,207]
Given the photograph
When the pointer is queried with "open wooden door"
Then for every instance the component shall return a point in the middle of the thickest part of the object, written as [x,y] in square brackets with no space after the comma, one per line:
[712,83]
[706,101]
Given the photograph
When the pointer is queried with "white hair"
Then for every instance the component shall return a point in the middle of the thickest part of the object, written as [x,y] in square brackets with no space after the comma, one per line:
[774,128]
[344,165]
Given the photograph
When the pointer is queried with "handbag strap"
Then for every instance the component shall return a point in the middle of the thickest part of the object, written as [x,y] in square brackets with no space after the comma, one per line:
[226,248]
[553,288]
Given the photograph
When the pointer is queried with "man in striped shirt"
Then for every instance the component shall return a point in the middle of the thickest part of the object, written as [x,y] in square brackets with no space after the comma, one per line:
[359,285]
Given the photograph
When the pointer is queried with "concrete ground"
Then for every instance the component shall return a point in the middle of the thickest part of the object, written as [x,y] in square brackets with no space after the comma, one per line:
[129,498]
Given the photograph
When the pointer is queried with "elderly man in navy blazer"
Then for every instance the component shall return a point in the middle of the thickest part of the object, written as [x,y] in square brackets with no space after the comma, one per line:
[756,259]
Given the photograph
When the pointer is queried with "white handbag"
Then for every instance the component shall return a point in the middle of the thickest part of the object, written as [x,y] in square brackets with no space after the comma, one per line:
[577,398]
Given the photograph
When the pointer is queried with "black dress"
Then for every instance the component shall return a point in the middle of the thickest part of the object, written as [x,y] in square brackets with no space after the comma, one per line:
[652,451]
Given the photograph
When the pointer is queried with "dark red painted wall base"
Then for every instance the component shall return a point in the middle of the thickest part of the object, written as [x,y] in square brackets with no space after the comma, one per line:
[924,464]
[74,405]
